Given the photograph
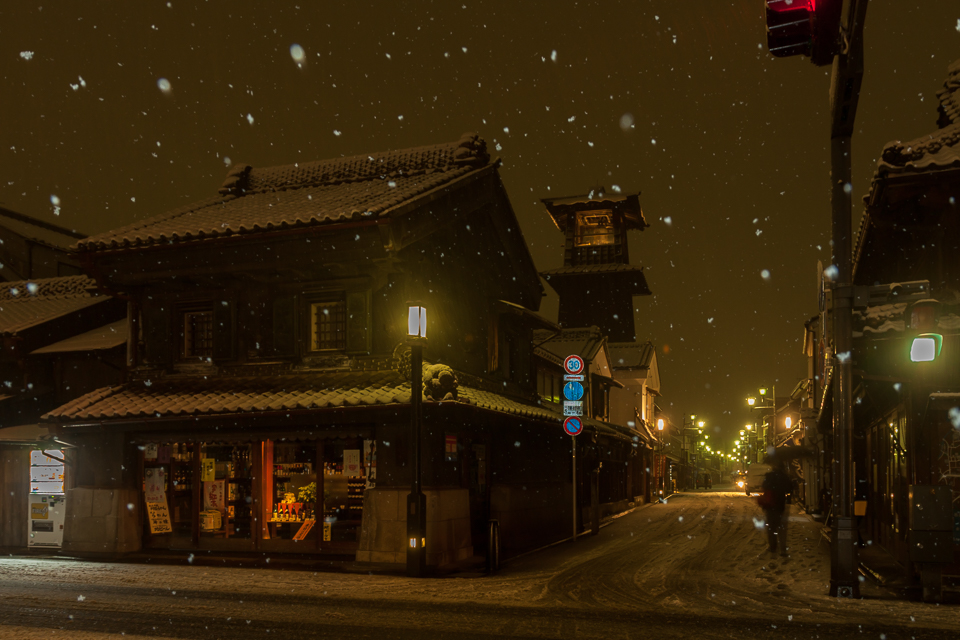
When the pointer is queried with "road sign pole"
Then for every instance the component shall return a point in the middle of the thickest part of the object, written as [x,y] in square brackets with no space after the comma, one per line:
[573,447]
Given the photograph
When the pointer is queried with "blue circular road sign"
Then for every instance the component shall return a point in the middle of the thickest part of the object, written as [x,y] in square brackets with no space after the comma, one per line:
[573,390]
[573,426]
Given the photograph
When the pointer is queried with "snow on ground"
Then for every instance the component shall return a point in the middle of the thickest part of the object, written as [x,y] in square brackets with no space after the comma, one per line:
[701,553]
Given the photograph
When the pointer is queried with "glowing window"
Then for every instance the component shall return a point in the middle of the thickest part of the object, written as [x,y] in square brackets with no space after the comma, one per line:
[594,228]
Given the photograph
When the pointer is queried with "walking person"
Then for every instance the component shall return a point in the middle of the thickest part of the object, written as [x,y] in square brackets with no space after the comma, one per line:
[773,501]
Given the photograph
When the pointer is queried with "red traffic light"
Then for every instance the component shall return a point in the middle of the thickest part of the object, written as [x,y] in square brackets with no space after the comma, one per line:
[804,28]
[790,27]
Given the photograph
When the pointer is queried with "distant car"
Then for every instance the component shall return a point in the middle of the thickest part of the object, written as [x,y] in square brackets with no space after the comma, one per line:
[740,480]
[753,478]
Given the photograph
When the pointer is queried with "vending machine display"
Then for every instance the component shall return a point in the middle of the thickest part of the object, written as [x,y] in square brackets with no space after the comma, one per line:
[47,502]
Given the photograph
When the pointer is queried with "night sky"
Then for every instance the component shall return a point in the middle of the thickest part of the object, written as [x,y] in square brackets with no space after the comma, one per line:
[678,100]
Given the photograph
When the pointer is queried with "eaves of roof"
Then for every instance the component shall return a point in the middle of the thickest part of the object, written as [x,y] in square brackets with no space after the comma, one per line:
[193,397]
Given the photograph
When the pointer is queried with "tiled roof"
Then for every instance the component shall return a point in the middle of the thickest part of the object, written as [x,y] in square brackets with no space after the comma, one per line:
[188,397]
[949,95]
[938,150]
[28,303]
[313,193]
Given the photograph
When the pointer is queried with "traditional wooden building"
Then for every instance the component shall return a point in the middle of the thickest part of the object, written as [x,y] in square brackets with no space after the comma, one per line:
[269,380]
[906,405]
[48,358]
[597,285]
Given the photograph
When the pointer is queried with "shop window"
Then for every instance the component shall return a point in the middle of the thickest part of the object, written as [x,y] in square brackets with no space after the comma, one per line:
[227,492]
[328,324]
[168,491]
[196,338]
[315,489]
[595,228]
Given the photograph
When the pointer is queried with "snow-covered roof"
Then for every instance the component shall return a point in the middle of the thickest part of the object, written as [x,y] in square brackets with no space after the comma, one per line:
[257,200]
[937,150]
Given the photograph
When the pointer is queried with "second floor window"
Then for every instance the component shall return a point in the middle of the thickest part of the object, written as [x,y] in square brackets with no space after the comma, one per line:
[328,325]
[197,333]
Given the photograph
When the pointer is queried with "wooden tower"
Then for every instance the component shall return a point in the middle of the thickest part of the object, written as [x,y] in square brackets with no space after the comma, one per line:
[597,282]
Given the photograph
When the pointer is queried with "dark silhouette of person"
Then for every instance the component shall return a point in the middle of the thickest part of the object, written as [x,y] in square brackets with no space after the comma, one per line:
[776,485]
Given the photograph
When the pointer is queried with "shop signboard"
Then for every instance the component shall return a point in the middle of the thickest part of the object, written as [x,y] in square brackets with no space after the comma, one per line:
[208,469]
[213,497]
[159,517]
[326,532]
[155,483]
[150,451]
[304,529]
[351,462]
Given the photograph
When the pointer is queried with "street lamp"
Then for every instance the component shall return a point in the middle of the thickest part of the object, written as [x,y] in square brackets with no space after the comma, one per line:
[752,403]
[416,500]
[661,466]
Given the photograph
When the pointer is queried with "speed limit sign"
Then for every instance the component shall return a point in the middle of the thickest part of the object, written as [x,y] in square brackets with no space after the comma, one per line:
[573,365]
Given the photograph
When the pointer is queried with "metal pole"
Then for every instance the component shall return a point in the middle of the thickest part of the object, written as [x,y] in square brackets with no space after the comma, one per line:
[573,447]
[844,93]
[416,501]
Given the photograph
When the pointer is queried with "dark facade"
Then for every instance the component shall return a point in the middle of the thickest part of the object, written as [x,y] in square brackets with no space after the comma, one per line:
[906,412]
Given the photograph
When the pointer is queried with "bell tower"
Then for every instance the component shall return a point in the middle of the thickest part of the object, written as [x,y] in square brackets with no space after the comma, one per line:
[597,283]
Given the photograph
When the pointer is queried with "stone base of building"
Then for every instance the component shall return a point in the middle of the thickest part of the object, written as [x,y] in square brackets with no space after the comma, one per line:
[101,522]
[383,532]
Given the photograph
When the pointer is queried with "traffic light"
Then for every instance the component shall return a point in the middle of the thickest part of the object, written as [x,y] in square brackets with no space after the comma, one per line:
[804,28]
[926,347]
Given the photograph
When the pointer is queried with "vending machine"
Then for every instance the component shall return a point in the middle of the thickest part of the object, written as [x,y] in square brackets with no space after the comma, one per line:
[47,502]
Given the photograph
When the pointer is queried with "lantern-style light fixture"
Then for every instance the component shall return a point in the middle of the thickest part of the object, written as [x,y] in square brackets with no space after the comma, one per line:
[660,424]
[751,401]
[417,321]
[787,422]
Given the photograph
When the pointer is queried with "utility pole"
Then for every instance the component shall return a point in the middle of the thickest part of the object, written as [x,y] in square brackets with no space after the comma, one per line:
[831,32]
[845,85]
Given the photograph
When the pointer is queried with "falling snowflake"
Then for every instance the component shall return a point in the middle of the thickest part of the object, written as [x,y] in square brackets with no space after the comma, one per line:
[249,118]
[298,54]
[164,85]
[26,55]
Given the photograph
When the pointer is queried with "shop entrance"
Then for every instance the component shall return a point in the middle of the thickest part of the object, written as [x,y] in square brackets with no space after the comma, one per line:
[302,496]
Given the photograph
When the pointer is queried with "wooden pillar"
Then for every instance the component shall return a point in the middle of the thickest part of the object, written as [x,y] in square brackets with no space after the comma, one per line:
[318,511]
[197,493]
[258,480]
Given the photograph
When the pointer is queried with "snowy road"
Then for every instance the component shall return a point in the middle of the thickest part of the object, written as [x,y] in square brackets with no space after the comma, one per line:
[692,568]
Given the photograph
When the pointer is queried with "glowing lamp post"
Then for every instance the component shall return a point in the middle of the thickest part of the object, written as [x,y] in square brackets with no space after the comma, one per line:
[416,500]
[661,463]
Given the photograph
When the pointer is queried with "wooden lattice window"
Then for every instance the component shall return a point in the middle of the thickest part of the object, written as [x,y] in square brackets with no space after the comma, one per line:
[198,333]
[328,325]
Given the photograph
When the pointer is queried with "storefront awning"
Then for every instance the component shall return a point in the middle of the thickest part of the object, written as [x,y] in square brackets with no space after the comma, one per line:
[26,434]
[192,397]
[101,338]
